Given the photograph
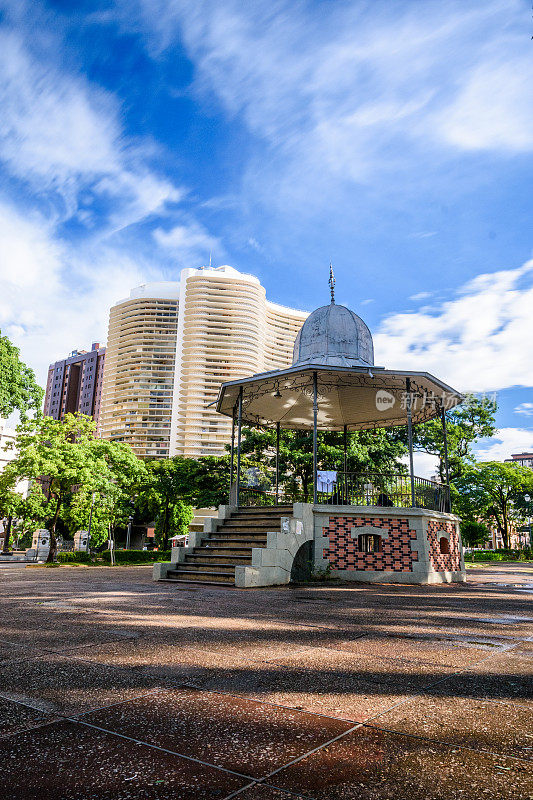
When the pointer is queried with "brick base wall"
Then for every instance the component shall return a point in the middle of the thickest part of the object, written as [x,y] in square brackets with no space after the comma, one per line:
[442,562]
[343,552]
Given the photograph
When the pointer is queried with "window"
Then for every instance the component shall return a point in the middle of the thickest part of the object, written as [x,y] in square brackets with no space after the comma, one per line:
[369,543]
[444,545]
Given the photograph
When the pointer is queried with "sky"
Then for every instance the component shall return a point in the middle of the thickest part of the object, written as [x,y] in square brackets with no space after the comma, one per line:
[395,139]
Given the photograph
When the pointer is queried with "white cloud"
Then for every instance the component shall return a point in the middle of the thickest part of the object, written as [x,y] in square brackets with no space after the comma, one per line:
[420,296]
[64,149]
[506,442]
[524,408]
[188,241]
[493,110]
[55,297]
[443,78]
[425,465]
[63,137]
[479,341]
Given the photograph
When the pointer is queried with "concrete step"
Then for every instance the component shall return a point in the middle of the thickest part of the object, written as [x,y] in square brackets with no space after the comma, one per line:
[239,524]
[264,509]
[210,567]
[262,530]
[227,552]
[221,562]
[191,574]
[242,541]
[225,584]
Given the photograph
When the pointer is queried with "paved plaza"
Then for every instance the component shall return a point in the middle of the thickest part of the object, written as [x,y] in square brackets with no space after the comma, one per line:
[114,687]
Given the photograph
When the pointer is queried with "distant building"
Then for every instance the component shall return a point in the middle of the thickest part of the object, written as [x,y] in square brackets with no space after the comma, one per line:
[523,459]
[172,344]
[7,435]
[139,372]
[74,385]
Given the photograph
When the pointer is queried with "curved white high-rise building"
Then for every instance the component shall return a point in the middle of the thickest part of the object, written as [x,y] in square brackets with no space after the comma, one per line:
[170,347]
[138,379]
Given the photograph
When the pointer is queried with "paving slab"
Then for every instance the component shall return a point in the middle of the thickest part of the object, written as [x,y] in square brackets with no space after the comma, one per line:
[332,693]
[482,725]
[400,674]
[370,763]
[238,734]
[450,663]
[15,717]
[450,652]
[506,685]
[70,761]
[13,652]
[57,684]
[262,792]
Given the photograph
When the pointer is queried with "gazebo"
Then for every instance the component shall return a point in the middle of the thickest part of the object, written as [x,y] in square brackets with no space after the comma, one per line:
[372,526]
[334,385]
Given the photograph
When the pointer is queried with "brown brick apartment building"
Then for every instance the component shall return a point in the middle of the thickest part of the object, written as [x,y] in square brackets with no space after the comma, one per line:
[75,384]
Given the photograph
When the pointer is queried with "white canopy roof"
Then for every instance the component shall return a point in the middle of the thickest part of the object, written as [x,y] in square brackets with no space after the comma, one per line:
[358,397]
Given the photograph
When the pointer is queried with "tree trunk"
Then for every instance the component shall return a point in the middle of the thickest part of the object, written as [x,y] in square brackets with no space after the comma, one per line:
[165,527]
[7,535]
[505,522]
[53,541]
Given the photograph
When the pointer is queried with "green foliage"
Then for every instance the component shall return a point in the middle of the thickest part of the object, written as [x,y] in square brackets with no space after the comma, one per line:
[120,478]
[66,465]
[19,389]
[367,451]
[474,533]
[472,420]
[321,574]
[165,494]
[488,492]
[500,555]
[58,457]
[210,481]
[137,556]
[75,558]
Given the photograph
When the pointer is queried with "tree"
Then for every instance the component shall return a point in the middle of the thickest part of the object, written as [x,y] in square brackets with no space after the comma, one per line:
[472,420]
[58,456]
[119,479]
[488,492]
[10,502]
[19,389]
[474,533]
[167,488]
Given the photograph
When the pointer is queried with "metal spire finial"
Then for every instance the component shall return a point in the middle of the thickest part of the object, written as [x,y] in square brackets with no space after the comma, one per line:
[331,282]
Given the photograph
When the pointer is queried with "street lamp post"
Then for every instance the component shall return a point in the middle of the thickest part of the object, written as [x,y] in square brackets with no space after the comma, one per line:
[128,534]
[527,498]
[90,524]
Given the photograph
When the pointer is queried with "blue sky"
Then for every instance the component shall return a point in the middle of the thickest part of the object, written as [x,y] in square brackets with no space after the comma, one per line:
[394,138]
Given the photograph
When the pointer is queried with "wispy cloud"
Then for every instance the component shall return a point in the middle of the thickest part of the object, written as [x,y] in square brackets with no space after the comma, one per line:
[526,409]
[478,341]
[360,92]
[506,442]
[188,241]
[66,160]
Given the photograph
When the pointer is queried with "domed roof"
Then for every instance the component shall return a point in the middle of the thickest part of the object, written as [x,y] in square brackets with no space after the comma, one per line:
[334,336]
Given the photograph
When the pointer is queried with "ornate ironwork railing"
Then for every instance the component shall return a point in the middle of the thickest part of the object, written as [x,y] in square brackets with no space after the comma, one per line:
[386,490]
[358,489]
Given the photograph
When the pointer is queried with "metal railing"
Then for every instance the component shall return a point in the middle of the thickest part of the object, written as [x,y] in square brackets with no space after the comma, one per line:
[386,490]
[376,489]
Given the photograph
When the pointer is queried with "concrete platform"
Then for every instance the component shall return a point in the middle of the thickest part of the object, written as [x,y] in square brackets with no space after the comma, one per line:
[117,687]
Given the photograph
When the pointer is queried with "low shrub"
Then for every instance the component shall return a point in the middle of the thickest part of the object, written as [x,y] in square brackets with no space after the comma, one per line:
[136,556]
[74,558]
[500,555]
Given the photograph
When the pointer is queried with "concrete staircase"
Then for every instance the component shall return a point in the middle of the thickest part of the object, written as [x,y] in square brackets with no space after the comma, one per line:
[214,561]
